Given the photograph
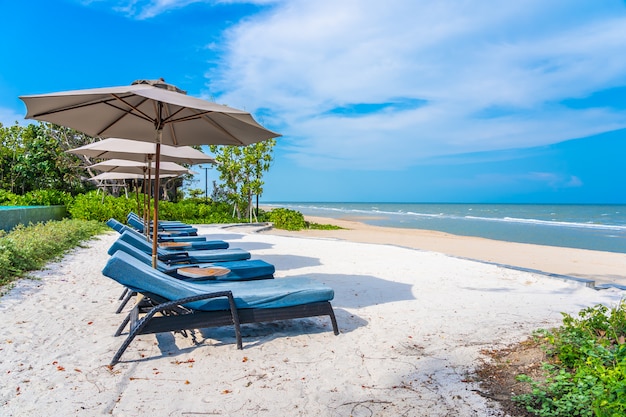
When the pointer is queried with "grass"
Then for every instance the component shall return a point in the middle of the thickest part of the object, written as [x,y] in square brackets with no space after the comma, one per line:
[29,248]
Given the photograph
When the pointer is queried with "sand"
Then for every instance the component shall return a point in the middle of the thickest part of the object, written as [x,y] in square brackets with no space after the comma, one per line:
[413,324]
[597,266]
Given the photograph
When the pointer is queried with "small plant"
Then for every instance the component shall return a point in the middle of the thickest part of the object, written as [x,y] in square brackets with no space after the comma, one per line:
[27,248]
[318,226]
[587,372]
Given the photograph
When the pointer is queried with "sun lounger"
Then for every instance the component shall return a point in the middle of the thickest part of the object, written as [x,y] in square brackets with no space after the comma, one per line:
[186,256]
[239,270]
[187,305]
[162,237]
[138,224]
[178,244]
[163,225]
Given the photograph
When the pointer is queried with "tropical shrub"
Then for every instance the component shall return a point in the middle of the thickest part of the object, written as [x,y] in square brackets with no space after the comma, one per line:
[587,373]
[94,206]
[284,218]
[27,248]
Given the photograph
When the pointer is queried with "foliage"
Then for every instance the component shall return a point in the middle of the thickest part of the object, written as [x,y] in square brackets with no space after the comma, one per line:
[33,157]
[197,211]
[28,248]
[318,226]
[241,170]
[99,207]
[284,218]
[36,198]
[587,376]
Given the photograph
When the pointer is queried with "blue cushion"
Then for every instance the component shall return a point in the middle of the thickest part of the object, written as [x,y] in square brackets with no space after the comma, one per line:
[269,293]
[239,270]
[194,256]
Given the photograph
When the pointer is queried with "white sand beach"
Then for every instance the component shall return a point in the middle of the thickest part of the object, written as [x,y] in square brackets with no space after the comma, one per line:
[412,325]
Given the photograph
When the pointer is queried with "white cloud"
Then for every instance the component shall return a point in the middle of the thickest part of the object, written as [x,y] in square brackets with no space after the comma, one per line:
[8,117]
[471,61]
[146,9]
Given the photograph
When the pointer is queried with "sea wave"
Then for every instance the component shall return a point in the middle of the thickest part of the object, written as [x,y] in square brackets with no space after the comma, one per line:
[313,209]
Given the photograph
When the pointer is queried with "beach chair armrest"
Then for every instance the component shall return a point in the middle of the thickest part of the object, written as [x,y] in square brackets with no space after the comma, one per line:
[174,257]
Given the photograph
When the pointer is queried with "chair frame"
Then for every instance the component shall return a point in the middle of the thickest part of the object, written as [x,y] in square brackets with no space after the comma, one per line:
[175,317]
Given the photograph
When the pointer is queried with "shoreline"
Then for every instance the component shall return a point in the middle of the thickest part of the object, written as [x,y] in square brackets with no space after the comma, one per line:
[604,268]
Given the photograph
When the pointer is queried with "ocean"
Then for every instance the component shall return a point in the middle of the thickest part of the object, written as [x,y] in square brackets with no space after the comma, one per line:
[595,227]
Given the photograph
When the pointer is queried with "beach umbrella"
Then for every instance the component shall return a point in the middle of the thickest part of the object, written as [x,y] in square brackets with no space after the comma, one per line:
[132,150]
[171,169]
[117,148]
[105,176]
[136,167]
[149,111]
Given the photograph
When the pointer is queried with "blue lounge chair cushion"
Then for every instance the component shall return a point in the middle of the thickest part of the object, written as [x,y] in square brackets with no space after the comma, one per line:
[193,245]
[270,293]
[137,224]
[190,256]
[121,227]
[239,270]
[163,225]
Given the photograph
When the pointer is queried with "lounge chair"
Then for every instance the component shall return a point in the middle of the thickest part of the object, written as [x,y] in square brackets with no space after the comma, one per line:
[186,256]
[162,237]
[187,305]
[137,224]
[239,270]
[163,225]
[179,244]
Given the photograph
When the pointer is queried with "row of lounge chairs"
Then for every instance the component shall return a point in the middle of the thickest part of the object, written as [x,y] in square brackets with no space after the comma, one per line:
[242,290]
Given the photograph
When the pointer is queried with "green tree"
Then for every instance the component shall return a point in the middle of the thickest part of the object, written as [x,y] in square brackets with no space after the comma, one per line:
[33,157]
[241,169]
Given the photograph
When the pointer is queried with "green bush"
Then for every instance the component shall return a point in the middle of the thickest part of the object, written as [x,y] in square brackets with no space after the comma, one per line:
[287,219]
[27,248]
[36,198]
[93,206]
[587,373]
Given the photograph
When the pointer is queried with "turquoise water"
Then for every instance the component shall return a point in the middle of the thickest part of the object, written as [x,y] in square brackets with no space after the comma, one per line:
[596,227]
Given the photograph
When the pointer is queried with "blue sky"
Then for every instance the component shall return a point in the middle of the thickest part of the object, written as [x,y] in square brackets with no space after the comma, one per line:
[399,101]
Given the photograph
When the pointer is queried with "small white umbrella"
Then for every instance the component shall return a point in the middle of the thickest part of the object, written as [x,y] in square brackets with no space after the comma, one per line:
[136,167]
[133,150]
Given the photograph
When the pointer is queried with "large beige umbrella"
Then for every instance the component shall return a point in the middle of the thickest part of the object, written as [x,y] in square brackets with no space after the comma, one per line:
[149,111]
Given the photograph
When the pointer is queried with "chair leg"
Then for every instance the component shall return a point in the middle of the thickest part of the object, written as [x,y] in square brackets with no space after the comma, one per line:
[333,320]
[129,295]
[123,294]
[123,325]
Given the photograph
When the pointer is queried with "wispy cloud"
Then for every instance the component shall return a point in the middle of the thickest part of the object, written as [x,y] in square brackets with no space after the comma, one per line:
[8,117]
[490,75]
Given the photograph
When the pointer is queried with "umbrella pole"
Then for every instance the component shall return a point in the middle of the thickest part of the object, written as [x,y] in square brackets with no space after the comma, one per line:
[156,201]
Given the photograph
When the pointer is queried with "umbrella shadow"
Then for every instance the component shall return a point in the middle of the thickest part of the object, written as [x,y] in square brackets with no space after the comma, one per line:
[221,236]
[250,246]
[357,291]
[253,334]
[257,334]
[290,262]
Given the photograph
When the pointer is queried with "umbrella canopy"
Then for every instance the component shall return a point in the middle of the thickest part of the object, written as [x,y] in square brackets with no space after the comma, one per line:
[116,148]
[144,110]
[149,111]
[136,167]
[124,176]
